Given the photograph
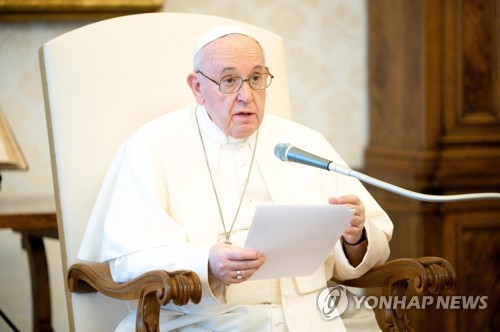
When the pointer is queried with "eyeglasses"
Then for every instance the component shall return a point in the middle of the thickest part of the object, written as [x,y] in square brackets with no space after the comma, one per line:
[232,84]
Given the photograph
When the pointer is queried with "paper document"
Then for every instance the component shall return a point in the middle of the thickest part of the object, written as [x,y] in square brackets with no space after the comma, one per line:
[296,239]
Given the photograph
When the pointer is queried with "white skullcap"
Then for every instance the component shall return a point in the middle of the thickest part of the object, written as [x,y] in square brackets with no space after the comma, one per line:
[217,33]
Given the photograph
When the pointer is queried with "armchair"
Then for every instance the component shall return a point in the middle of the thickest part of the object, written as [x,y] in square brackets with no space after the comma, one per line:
[102,82]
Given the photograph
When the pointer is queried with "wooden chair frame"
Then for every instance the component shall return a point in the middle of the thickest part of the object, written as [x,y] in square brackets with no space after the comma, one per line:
[156,288]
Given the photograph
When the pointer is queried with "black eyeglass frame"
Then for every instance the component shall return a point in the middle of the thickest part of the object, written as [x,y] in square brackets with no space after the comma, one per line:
[242,81]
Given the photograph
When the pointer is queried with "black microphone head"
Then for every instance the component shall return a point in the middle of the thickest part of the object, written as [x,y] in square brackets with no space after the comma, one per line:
[281,149]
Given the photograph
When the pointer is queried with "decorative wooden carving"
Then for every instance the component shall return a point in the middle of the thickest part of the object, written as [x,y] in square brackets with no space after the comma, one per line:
[152,289]
[157,288]
[426,274]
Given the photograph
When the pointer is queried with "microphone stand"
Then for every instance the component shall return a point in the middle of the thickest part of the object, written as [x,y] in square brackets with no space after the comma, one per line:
[408,193]
[287,152]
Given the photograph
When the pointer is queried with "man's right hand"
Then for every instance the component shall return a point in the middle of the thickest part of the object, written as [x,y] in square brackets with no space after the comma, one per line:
[225,261]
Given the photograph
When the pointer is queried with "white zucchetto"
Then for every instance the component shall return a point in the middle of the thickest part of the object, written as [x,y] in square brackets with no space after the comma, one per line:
[217,33]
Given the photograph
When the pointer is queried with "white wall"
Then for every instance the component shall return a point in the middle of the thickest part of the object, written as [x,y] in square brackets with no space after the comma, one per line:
[325,45]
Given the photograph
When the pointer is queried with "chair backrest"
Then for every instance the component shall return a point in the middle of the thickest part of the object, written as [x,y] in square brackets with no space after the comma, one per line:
[101,83]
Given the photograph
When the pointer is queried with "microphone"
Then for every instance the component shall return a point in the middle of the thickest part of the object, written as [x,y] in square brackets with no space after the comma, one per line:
[287,152]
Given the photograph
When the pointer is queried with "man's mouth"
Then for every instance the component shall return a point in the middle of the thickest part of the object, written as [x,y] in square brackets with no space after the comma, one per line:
[245,114]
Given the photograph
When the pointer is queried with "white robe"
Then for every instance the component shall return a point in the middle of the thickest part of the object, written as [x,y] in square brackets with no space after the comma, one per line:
[157,195]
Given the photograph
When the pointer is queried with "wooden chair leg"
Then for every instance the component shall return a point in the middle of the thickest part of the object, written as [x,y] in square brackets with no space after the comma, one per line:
[40,290]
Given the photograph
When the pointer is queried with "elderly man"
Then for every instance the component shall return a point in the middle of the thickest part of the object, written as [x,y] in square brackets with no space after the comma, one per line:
[182,191]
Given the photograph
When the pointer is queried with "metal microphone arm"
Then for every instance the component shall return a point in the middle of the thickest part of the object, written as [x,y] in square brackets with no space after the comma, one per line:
[408,193]
[287,152]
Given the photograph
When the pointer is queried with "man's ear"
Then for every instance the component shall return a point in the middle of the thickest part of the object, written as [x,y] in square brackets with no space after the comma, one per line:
[194,84]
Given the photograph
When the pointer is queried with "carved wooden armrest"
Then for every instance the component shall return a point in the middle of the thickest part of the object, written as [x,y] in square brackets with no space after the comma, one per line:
[152,289]
[426,274]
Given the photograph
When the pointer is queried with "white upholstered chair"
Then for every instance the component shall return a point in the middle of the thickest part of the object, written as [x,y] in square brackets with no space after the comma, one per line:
[101,83]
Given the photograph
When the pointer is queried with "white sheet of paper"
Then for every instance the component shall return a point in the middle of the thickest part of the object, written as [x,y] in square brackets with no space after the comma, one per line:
[296,239]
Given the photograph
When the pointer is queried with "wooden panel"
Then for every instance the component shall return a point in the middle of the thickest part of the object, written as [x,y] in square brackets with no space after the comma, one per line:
[478,51]
[480,246]
[476,259]
[434,86]
[470,157]
[472,71]
[393,67]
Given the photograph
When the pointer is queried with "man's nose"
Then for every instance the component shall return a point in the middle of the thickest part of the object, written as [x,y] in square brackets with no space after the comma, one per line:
[245,93]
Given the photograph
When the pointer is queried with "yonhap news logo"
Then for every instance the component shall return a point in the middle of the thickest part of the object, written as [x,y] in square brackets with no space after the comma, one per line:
[333,301]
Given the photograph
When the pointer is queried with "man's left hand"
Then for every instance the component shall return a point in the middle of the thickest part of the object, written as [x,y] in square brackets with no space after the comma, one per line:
[354,230]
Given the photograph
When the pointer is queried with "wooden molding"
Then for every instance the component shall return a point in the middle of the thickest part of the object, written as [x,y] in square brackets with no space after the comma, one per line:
[14,10]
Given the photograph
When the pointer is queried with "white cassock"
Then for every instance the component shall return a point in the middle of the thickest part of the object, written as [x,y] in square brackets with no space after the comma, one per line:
[157,210]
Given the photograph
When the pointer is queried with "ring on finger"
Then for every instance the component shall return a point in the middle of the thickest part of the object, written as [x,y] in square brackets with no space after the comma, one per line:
[238,275]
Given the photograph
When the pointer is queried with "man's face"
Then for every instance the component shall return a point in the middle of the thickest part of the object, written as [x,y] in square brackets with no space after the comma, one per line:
[238,114]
